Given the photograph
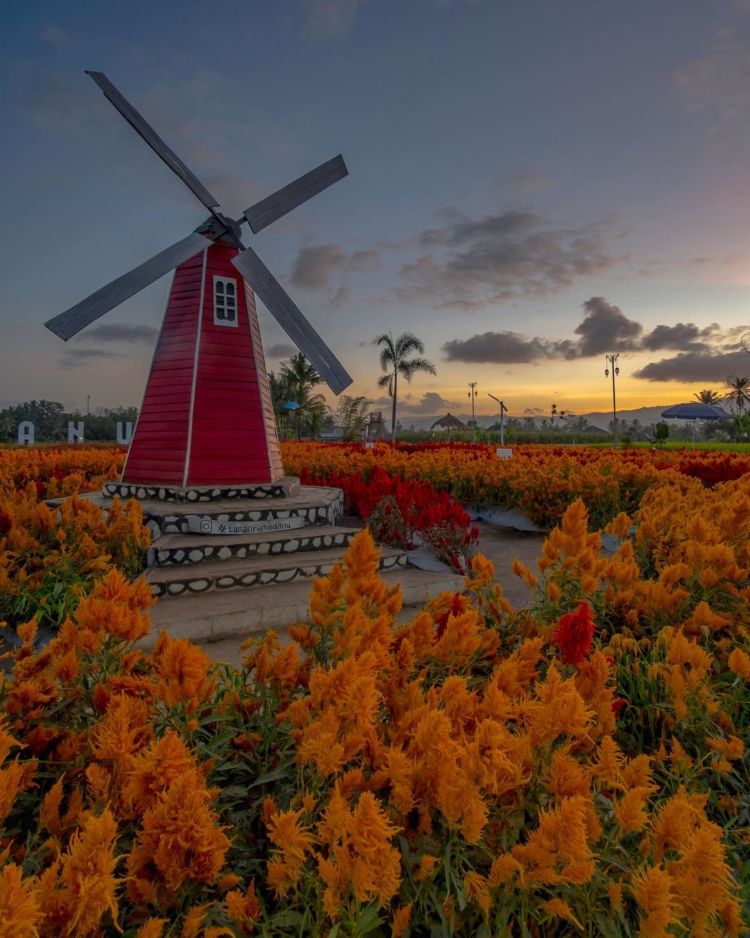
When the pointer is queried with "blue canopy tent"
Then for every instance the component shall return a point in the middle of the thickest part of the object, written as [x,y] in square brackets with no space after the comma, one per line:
[696,411]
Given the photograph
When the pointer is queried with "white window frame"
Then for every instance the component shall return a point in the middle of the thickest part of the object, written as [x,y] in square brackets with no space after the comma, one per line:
[221,303]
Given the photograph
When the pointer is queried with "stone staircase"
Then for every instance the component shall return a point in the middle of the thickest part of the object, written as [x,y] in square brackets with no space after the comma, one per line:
[227,562]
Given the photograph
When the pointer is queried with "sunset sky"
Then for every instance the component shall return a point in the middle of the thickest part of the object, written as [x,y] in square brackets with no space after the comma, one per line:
[532,185]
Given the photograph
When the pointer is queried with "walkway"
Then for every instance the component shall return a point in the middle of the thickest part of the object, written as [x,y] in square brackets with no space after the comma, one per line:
[500,545]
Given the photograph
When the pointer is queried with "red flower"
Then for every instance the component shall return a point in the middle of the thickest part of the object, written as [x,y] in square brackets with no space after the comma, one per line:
[618,704]
[575,634]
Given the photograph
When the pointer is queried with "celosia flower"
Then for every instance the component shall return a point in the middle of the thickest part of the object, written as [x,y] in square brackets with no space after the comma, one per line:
[574,634]
[20,912]
[87,874]
[653,891]
[179,838]
[293,843]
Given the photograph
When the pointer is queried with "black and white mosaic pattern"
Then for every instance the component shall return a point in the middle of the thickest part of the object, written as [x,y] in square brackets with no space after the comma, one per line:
[285,487]
[307,539]
[237,579]
[313,505]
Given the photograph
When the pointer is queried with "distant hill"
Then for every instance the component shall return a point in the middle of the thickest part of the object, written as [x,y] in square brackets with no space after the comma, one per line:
[600,419]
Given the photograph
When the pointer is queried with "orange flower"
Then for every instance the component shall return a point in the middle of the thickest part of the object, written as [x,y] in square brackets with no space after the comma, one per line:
[401,919]
[154,769]
[294,843]
[20,913]
[560,909]
[477,889]
[87,874]
[243,908]
[183,669]
[739,663]
[558,850]
[178,839]
[653,891]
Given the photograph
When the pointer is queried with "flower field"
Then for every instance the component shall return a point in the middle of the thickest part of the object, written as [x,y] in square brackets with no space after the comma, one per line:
[575,768]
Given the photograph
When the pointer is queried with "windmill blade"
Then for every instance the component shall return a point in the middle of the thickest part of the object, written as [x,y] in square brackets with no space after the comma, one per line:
[151,137]
[70,322]
[277,205]
[281,306]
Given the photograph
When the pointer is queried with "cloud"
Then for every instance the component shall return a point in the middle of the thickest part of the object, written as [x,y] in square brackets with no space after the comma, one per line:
[430,403]
[331,18]
[683,337]
[338,298]
[56,36]
[499,348]
[314,266]
[689,367]
[281,350]
[120,332]
[718,82]
[75,357]
[605,328]
[473,263]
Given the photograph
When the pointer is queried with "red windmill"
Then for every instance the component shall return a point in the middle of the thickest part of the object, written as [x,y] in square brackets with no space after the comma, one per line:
[207,417]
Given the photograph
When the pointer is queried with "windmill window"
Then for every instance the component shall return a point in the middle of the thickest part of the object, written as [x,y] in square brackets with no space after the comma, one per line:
[225,301]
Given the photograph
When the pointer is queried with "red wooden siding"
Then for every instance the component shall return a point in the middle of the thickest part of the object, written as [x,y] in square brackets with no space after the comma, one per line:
[159,447]
[228,435]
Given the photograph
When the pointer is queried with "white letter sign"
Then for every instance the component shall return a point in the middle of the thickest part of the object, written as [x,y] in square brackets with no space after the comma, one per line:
[75,432]
[25,432]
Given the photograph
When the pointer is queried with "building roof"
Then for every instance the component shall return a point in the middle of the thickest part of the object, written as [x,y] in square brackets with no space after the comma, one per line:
[449,422]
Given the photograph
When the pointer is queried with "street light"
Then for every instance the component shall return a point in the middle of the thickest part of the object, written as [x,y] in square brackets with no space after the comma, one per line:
[612,363]
[503,410]
[472,396]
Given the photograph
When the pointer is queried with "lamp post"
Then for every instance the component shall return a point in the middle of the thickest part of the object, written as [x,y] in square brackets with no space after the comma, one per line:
[503,410]
[612,363]
[472,397]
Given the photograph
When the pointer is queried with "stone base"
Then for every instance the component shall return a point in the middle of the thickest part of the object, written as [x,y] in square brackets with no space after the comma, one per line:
[282,488]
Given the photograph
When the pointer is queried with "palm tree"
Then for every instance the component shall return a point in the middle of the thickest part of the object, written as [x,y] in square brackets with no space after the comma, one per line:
[708,397]
[739,393]
[295,383]
[394,361]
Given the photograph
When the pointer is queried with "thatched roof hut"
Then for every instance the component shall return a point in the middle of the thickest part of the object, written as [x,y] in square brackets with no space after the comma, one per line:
[449,422]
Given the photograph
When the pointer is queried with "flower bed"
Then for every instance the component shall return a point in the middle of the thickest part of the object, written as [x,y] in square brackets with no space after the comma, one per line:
[48,557]
[579,767]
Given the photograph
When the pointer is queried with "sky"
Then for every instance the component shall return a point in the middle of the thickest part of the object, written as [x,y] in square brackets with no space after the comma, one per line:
[532,185]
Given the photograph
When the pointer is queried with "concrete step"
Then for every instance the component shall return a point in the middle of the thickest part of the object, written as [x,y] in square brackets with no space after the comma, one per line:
[286,485]
[218,615]
[220,575]
[170,549]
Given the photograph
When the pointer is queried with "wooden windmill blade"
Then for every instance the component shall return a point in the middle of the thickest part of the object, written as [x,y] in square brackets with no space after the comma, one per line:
[67,324]
[281,306]
[280,203]
[144,129]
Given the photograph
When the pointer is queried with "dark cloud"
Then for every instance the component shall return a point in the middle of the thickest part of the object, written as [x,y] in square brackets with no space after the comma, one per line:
[75,357]
[605,328]
[690,367]
[430,403]
[281,350]
[314,266]
[682,337]
[120,332]
[473,263]
[500,348]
